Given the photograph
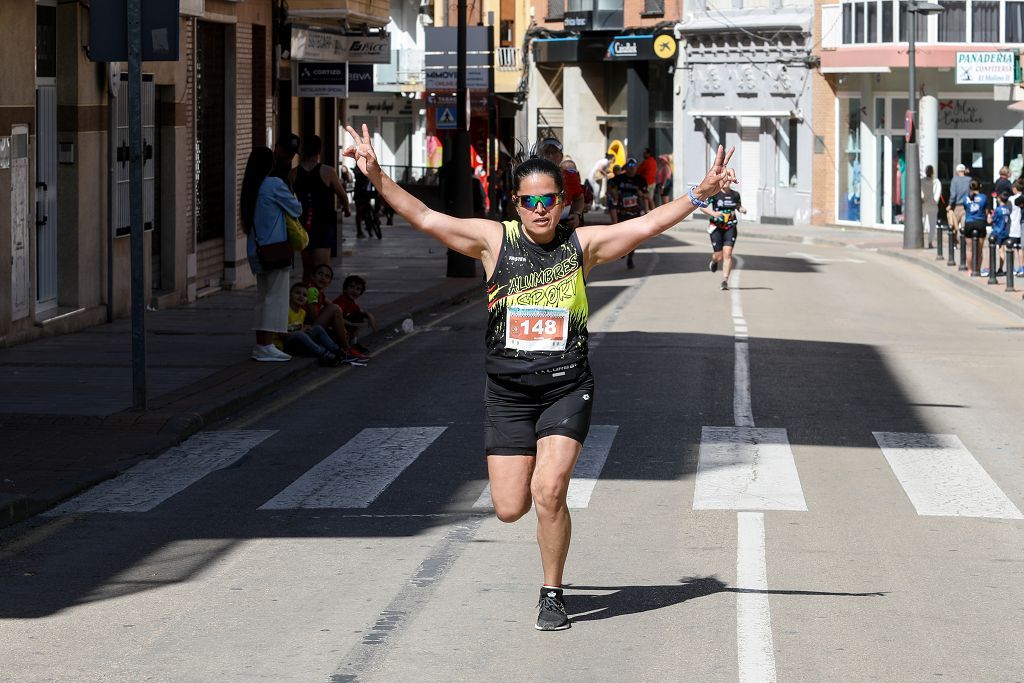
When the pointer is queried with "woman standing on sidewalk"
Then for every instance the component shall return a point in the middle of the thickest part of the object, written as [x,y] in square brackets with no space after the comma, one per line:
[264,201]
[539,387]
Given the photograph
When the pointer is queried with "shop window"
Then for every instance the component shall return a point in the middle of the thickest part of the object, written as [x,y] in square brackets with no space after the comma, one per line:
[984,21]
[849,168]
[786,131]
[887,25]
[1013,156]
[953,21]
[1014,22]
[858,18]
[654,8]
[46,42]
[872,22]
[922,25]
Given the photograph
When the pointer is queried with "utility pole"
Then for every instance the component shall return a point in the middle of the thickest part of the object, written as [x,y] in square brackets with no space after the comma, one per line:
[913,237]
[458,181]
[135,202]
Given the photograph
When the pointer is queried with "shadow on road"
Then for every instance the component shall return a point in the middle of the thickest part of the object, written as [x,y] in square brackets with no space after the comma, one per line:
[625,600]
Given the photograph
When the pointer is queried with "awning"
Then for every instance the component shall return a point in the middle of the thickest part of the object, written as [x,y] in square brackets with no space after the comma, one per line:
[762,113]
[855,70]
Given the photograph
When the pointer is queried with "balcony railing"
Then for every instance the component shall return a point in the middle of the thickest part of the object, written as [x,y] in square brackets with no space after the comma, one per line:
[508,59]
[879,22]
[405,68]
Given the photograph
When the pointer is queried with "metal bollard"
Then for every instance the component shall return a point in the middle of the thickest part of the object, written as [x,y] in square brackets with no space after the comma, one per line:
[992,256]
[963,251]
[938,242]
[1009,269]
[975,257]
[952,237]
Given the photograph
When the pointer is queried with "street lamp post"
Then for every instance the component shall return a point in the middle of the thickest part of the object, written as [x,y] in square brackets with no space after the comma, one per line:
[913,237]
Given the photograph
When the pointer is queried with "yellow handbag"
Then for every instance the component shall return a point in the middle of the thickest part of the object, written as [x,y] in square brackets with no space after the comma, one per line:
[297,235]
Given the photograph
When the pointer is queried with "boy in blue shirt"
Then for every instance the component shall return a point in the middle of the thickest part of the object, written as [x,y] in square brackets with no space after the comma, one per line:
[1000,230]
[975,223]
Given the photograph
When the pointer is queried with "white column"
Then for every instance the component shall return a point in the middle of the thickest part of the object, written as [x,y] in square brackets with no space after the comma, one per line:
[869,180]
[928,126]
[750,164]
[679,123]
[582,137]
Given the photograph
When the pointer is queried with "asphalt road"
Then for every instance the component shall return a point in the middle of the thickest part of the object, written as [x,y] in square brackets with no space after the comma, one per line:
[815,476]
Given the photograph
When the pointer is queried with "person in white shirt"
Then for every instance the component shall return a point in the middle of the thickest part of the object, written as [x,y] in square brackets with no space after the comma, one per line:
[931,191]
[1016,203]
[598,176]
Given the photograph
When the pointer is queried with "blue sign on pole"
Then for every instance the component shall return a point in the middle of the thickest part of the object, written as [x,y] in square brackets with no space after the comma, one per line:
[446,118]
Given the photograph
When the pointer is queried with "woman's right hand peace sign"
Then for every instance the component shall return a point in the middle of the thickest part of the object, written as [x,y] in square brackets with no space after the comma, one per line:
[362,150]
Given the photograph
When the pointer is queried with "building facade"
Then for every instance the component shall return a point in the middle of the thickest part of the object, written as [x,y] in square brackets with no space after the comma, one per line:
[861,95]
[602,72]
[744,82]
[64,250]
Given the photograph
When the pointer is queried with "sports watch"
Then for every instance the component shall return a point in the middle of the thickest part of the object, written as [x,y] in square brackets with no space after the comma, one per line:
[693,198]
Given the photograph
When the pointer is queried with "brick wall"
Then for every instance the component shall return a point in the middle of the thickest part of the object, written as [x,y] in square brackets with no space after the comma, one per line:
[243,109]
[825,157]
[190,136]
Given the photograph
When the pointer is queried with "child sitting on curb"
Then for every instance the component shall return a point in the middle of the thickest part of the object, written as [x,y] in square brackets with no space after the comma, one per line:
[354,314]
[320,310]
[308,340]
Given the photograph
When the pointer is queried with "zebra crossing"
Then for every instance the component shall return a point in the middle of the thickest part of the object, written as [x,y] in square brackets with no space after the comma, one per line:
[739,468]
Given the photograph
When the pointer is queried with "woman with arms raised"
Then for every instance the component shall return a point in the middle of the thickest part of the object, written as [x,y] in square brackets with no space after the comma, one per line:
[540,391]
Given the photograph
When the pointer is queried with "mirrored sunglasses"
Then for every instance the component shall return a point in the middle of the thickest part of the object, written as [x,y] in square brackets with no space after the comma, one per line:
[532,201]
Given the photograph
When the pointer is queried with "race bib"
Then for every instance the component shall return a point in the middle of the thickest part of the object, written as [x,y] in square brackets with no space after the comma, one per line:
[629,202]
[536,328]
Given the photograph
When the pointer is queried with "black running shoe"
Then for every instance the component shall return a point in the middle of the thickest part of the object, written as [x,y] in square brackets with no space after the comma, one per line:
[725,285]
[713,266]
[552,615]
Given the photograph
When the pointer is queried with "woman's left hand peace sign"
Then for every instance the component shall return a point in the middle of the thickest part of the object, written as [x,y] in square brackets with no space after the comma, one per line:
[362,150]
[718,175]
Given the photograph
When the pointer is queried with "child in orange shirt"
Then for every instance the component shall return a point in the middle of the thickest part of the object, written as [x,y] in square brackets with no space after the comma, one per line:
[320,310]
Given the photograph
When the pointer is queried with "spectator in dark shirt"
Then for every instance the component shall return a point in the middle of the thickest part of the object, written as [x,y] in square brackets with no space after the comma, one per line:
[285,150]
[1003,184]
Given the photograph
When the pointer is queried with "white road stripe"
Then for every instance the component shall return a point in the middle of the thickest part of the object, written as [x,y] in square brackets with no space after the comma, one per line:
[942,478]
[588,469]
[753,615]
[355,474]
[746,468]
[151,482]
[742,411]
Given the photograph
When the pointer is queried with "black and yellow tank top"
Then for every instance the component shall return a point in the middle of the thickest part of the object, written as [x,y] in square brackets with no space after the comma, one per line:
[536,305]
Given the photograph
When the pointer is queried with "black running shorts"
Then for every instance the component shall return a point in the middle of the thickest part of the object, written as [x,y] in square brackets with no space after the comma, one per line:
[723,238]
[975,229]
[517,414]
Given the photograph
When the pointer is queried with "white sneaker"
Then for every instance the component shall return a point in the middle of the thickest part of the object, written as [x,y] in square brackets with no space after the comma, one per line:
[269,353]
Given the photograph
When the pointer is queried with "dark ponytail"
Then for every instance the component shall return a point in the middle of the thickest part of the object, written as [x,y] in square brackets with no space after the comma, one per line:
[536,166]
[257,168]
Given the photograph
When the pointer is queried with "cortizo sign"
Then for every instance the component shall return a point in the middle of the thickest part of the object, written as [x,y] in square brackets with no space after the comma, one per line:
[316,45]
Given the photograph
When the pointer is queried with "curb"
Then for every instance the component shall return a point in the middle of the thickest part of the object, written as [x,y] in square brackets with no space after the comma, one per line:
[986,293]
[171,427]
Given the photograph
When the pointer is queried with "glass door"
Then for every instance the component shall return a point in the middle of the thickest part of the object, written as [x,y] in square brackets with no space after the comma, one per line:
[976,155]
[947,162]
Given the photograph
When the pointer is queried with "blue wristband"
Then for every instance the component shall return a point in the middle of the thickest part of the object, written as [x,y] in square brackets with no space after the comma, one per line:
[693,198]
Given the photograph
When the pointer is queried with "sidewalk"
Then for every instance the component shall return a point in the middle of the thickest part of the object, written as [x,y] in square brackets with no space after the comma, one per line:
[66,421]
[65,402]
[888,242]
